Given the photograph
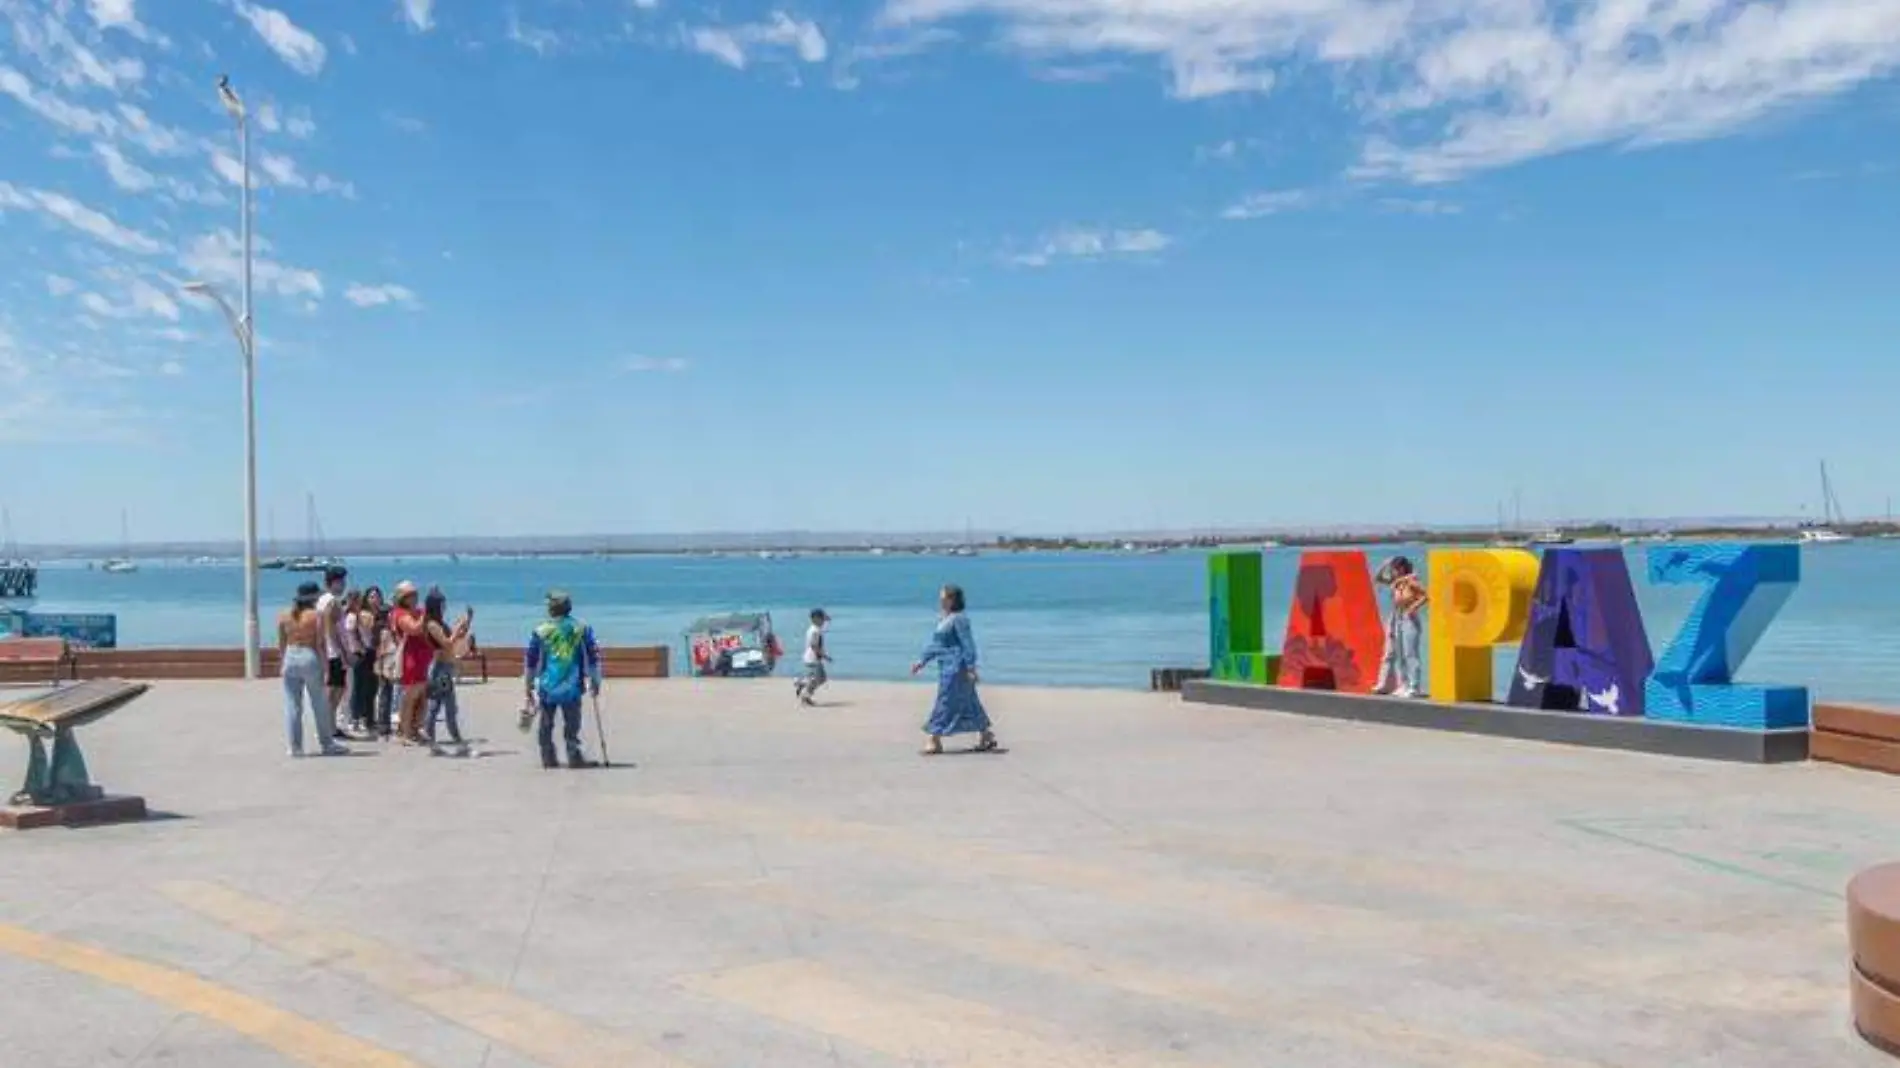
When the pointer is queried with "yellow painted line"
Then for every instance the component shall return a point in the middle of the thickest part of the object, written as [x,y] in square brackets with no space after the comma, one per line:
[1394,1040]
[912,1026]
[293,1036]
[550,1038]
[1524,960]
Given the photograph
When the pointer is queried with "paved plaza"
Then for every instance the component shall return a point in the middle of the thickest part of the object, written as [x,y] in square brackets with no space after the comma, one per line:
[1136,882]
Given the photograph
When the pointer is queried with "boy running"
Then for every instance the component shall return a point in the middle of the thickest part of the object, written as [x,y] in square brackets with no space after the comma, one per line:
[815,659]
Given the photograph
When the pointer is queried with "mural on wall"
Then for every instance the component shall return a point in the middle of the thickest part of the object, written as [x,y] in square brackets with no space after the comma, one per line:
[1585,649]
[1334,639]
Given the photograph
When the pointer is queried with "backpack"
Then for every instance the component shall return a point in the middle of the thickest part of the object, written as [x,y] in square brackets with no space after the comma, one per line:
[563,644]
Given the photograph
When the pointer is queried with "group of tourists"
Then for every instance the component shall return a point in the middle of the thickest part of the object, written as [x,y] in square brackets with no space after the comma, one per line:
[370,668]
[393,666]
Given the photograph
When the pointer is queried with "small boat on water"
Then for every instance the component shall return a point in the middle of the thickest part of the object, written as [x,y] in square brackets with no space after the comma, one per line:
[1552,537]
[123,563]
[1824,532]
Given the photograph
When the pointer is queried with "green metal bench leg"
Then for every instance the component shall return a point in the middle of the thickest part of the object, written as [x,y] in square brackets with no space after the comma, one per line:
[61,780]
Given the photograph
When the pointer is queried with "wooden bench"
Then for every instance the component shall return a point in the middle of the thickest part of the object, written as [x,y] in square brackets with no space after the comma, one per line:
[623,662]
[35,661]
[1859,736]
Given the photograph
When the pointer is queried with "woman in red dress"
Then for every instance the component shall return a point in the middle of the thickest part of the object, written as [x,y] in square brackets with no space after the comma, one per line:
[408,623]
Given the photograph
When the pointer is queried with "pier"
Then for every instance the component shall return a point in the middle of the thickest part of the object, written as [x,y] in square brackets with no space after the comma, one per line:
[19,581]
[1138,881]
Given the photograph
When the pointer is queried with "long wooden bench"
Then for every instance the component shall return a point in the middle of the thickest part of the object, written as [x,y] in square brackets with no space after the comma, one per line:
[35,661]
[626,662]
[1859,736]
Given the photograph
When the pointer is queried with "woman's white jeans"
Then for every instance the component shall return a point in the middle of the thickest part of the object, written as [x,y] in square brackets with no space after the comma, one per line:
[303,678]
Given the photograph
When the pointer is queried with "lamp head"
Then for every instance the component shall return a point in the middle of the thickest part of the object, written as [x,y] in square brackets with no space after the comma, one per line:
[229,97]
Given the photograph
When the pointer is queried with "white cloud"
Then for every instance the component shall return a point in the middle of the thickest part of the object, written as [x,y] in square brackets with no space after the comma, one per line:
[64,209]
[153,301]
[110,14]
[1075,243]
[1444,88]
[218,257]
[124,173]
[420,14]
[540,41]
[1273,202]
[280,171]
[142,300]
[60,286]
[1419,206]
[54,109]
[171,368]
[655,364]
[45,38]
[366,296]
[300,126]
[153,137]
[297,47]
[736,46]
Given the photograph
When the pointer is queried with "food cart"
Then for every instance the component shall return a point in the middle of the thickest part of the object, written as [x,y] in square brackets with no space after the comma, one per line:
[736,643]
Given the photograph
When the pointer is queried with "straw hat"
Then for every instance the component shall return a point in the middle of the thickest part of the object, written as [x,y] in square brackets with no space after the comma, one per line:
[405,588]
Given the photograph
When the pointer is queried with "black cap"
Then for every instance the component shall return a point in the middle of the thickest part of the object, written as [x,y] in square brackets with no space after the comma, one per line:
[819,613]
[308,589]
[333,573]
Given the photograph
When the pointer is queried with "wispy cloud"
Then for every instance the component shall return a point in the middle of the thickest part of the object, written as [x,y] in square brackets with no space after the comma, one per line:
[537,39]
[739,45]
[1269,202]
[63,209]
[300,49]
[376,296]
[1076,243]
[1419,206]
[1461,86]
[218,257]
[420,14]
[654,364]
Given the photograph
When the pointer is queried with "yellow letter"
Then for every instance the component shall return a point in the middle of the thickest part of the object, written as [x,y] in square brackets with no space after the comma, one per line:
[1480,598]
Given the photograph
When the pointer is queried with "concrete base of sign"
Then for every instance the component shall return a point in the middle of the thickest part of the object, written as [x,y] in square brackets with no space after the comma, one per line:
[76,814]
[1569,728]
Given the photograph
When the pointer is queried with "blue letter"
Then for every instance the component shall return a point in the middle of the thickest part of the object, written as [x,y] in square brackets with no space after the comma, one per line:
[1747,585]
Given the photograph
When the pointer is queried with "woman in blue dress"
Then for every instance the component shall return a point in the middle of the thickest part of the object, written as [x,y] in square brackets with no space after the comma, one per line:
[952,648]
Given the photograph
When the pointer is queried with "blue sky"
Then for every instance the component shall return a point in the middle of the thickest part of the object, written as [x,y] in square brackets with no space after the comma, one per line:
[577,266]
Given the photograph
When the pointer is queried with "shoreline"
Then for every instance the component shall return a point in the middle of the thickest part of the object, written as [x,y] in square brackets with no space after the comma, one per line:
[1021,546]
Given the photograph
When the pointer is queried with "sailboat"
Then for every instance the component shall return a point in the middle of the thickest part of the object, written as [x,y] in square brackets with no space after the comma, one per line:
[314,560]
[123,563]
[1824,533]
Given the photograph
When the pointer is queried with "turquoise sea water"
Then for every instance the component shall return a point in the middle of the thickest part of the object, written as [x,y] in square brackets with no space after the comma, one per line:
[1057,619]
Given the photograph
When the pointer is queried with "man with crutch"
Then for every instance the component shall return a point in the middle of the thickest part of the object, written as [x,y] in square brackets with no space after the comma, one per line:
[562,661]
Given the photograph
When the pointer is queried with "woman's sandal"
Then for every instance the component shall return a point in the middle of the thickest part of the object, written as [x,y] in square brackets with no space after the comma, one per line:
[986,745]
[933,749]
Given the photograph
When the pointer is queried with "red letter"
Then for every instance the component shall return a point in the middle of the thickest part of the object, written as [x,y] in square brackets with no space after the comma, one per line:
[1334,640]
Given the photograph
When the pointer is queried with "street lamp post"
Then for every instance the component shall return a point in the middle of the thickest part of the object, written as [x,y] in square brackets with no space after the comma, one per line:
[244,328]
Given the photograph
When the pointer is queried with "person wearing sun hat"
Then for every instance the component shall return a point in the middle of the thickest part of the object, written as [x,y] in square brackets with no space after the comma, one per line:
[562,662]
[407,621]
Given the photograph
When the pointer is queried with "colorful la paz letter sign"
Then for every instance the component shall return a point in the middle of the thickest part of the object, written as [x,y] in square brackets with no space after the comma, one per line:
[1585,648]
[1480,599]
[1236,628]
[1334,640]
[1746,585]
